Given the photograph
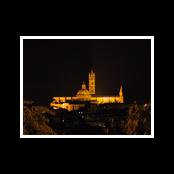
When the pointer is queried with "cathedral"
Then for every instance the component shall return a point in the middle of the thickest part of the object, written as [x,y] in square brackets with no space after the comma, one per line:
[85,95]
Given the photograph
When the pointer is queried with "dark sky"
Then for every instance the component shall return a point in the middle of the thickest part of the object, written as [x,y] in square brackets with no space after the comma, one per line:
[58,68]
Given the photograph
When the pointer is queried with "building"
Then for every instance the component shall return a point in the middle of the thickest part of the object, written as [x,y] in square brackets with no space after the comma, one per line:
[85,95]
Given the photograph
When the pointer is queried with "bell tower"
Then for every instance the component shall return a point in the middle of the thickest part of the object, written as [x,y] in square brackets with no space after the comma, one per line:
[92,82]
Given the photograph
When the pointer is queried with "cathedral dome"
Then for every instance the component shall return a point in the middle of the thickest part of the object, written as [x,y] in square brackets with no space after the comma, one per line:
[83,92]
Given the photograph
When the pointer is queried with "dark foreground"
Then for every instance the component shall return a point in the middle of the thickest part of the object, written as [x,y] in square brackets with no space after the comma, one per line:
[117,119]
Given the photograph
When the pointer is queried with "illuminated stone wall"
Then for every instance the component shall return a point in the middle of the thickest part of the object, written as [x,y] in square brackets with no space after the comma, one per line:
[67,106]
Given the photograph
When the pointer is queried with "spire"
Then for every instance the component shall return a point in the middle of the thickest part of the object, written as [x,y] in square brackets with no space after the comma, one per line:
[121,91]
[91,72]
[121,98]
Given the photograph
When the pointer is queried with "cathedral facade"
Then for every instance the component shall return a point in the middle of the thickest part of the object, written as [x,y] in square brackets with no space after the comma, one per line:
[85,95]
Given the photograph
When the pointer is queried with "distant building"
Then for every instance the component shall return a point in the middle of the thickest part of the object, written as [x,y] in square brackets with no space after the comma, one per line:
[85,95]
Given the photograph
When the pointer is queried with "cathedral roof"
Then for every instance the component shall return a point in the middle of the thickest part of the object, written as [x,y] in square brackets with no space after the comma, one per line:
[83,92]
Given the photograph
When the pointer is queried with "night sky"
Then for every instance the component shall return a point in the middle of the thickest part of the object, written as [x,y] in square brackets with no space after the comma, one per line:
[58,68]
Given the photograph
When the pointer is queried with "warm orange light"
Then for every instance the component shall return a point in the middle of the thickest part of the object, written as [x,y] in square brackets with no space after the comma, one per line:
[85,95]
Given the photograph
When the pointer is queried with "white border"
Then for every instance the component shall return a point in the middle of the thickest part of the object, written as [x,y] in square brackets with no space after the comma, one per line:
[86,136]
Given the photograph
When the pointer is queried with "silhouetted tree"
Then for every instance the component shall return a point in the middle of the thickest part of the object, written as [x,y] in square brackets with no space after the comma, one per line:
[35,122]
[138,121]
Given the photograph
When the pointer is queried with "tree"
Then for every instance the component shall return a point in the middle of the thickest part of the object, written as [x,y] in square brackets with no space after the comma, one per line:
[138,120]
